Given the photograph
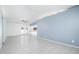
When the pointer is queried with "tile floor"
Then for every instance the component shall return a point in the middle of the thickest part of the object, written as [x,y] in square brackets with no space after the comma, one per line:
[28,44]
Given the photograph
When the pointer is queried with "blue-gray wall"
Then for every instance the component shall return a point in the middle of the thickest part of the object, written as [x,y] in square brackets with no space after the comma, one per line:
[63,27]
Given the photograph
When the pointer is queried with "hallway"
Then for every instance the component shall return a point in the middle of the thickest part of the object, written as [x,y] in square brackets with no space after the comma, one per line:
[28,44]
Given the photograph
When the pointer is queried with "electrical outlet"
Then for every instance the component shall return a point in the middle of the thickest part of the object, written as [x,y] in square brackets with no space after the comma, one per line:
[73,41]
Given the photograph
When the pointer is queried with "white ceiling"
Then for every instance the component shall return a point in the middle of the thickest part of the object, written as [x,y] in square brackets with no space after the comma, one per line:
[31,13]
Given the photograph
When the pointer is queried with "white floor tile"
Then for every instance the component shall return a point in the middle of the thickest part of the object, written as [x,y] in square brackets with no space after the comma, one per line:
[28,44]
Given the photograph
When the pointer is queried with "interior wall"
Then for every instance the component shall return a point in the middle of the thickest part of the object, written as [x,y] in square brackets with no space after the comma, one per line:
[4,35]
[63,27]
[15,14]
[13,29]
[0,30]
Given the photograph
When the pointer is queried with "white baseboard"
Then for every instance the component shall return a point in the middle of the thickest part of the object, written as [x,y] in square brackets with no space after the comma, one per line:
[59,42]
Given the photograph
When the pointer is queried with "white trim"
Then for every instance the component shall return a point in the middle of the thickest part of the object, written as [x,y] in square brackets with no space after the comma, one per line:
[52,41]
[53,13]
[60,43]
